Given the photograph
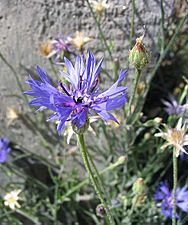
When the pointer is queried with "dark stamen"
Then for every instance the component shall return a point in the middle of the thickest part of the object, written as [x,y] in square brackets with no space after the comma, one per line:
[80,84]
[79,100]
[64,89]
[94,85]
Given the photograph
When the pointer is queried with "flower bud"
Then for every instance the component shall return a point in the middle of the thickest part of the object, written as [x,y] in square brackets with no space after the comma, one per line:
[121,159]
[100,211]
[139,55]
[138,186]
[158,119]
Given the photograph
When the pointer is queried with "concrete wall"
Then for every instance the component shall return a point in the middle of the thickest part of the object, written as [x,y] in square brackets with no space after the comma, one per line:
[26,23]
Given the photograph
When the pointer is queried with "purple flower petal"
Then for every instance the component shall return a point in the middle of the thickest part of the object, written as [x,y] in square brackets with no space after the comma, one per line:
[74,102]
[4,149]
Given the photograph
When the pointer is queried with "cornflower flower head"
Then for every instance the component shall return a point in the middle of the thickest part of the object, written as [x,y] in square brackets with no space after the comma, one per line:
[175,137]
[166,198]
[173,108]
[11,199]
[79,40]
[99,6]
[4,149]
[74,102]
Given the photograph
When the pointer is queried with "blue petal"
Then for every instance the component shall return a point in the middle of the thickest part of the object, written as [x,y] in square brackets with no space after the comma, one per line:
[114,90]
[116,103]
[71,76]
[79,119]
[43,75]
[96,71]
[63,116]
[107,116]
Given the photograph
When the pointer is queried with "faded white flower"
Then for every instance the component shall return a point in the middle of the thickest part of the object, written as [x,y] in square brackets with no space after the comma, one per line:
[12,114]
[99,6]
[79,40]
[175,137]
[11,199]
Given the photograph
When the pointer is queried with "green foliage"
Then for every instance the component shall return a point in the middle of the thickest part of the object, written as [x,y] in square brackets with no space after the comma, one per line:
[55,187]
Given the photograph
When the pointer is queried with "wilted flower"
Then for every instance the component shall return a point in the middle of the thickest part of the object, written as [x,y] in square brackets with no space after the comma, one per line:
[4,149]
[99,6]
[175,137]
[59,48]
[55,48]
[172,107]
[74,102]
[11,114]
[140,88]
[46,48]
[165,197]
[11,199]
[79,40]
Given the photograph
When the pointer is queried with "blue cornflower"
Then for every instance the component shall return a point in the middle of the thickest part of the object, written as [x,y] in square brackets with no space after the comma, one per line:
[75,101]
[4,149]
[173,108]
[164,195]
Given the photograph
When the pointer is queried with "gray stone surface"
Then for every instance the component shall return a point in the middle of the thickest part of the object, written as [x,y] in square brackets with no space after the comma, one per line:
[26,23]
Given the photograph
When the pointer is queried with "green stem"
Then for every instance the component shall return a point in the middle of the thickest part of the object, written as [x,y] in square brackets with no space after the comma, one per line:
[175,175]
[84,154]
[100,30]
[162,56]
[131,101]
[31,218]
[132,24]
[86,181]
[162,27]
[15,74]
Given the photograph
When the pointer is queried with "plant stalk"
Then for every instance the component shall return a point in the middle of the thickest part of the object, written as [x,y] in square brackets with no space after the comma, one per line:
[84,154]
[132,98]
[175,175]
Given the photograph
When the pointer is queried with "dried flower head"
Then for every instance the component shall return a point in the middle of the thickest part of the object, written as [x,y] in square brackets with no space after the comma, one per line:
[175,137]
[46,48]
[99,6]
[75,101]
[165,197]
[55,48]
[79,40]
[11,199]
[140,88]
[60,46]
[4,149]
[12,115]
